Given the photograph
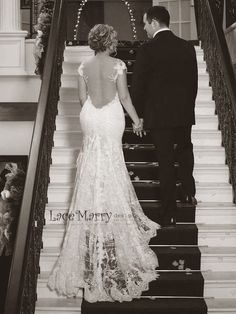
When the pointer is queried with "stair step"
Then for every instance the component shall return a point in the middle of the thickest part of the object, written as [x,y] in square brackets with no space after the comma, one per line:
[212,213]
[215,192]
[182,234]
[56,213]
[56,305]
[216,213]
[168,283]
[172,257]
[72,122]
[146,171]
[68,138]
[73,108]
[65,155]
[199,138]
[71,94]
[71,80]
[139,153]
[146,152]
[218,258]
[217,235]
[221,306]
[220,284]
[169,258]
[160,306]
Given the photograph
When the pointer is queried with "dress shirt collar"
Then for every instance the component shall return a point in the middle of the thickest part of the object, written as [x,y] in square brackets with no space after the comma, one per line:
[161,30]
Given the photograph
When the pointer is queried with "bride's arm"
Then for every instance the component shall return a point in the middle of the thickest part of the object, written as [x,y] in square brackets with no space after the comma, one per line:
[125,99]
[82,90]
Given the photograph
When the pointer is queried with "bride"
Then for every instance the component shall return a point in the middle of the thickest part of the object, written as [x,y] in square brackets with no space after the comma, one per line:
[105,249]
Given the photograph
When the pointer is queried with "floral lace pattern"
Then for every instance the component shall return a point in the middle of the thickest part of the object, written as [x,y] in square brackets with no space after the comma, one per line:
[105,249]
[119,68]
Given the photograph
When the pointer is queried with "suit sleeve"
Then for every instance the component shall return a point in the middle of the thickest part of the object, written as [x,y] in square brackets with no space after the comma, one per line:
[194,73]
[140,80]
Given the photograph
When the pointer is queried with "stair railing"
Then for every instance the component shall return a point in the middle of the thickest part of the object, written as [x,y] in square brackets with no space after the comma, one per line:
[21,294]
[222,77]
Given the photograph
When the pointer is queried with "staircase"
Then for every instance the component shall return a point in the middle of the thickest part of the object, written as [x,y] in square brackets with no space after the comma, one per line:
[197,258]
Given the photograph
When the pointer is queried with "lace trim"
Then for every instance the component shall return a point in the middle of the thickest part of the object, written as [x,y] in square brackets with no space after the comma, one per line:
[81,72]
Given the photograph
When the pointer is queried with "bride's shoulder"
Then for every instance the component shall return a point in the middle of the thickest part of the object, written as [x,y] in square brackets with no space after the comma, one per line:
[119,64]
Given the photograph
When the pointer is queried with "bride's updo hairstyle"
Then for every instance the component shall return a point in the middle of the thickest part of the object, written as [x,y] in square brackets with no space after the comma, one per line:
[103,37]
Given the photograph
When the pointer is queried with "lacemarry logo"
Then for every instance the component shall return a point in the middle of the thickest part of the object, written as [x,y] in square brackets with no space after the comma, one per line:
[86,215]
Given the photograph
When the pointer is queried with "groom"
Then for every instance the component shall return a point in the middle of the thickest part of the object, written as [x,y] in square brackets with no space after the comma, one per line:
[164,88]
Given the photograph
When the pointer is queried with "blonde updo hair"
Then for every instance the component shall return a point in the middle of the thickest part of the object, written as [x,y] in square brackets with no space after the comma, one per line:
[103,37]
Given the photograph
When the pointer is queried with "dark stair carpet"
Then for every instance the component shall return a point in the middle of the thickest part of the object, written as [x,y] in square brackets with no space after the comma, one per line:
[182,234]
[178,258]
[185,212]
[180,285]
[177,284]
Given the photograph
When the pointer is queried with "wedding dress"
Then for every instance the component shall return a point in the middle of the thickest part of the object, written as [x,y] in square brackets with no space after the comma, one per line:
[105,249]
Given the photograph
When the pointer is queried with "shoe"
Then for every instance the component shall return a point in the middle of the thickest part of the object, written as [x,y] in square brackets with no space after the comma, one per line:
[169,224]
[191,200]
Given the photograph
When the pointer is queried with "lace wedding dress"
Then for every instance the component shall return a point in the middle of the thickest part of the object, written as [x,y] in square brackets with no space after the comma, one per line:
[105,248]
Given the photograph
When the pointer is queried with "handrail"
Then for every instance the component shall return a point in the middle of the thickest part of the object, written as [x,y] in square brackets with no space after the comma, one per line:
[21,294]
[222,77]
[224,51]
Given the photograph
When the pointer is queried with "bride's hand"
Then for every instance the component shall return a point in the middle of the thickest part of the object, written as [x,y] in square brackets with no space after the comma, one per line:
[138,128]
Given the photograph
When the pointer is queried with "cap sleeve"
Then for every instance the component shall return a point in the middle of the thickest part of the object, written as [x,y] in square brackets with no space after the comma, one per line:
[81,69]
[120,67]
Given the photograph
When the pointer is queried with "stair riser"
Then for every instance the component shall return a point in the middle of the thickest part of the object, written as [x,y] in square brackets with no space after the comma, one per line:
[54,238]
[68,157]
[219,239]
[222,239]
[211,158]
[70,108]
[73,124]
[219,263]
[200,157]
[71,94]
[68,139]
[75,139]
[58,216]
[68,175]
[216,216]
[54,216]
[184,290]
[71,80]
[204,95]
[198,139]
[220,290]
[207,263]
[47,262]
[203,195]
[44,292]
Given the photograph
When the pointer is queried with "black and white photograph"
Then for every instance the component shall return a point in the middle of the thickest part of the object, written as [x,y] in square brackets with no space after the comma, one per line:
[117,156]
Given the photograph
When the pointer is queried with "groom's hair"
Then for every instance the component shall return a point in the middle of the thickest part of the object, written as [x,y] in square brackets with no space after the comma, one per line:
[160,14]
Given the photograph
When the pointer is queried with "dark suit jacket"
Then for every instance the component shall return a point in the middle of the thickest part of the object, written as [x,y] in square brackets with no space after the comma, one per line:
[164,82]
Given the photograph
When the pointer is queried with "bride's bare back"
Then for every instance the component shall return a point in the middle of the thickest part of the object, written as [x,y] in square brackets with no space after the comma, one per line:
[100,75]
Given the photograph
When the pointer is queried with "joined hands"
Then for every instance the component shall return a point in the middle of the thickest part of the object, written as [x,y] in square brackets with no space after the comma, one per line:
[138,128]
